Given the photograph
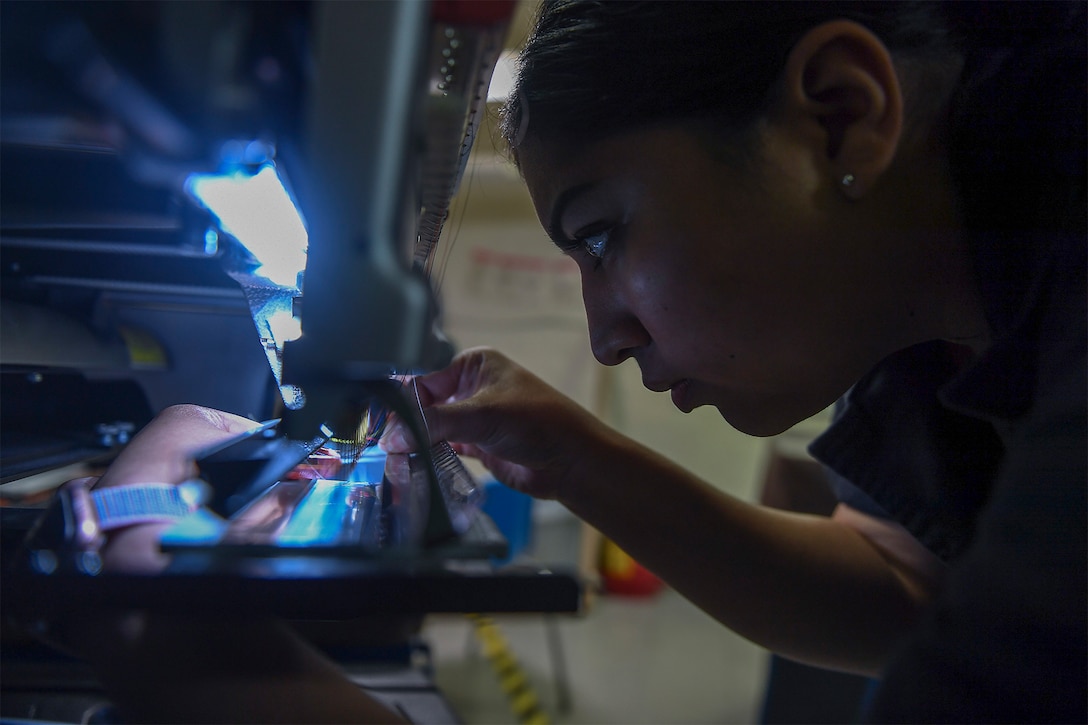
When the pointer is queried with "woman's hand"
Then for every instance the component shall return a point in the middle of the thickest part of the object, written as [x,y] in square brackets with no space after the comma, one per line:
[529,435]
[163,452]
[165,668]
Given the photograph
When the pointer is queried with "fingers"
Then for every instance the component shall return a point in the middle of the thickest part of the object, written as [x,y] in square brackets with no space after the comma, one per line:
[470,421]
[202,422]
[458,380]
[438,394]
[398,436]
[163,451]
[397,439]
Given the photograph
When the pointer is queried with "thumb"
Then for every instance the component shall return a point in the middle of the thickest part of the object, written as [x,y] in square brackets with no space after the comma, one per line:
[435,393]
[459,421]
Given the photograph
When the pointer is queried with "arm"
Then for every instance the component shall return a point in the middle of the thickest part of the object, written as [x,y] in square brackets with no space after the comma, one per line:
[809,587]
[158,667]
[794,483]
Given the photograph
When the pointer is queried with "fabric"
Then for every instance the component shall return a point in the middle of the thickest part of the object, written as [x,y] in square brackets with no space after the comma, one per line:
[987,465]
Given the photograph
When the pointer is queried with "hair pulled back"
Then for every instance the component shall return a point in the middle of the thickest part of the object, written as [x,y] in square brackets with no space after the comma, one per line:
[595,68]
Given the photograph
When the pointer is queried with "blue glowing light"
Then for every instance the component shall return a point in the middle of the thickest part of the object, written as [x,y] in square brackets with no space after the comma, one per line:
[257,211]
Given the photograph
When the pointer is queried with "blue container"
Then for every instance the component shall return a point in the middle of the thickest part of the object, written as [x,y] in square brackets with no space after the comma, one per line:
[512,512]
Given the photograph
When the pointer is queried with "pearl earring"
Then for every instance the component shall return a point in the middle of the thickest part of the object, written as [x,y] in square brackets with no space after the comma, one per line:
[848,180]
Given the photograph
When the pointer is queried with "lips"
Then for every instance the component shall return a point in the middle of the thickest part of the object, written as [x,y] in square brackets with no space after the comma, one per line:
[657,386]
[680,394]
[678,388]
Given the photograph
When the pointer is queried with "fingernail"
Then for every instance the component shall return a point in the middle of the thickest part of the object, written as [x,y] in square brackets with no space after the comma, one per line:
[393,441]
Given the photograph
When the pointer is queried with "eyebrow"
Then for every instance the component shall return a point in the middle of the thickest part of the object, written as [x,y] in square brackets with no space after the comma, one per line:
[561,203]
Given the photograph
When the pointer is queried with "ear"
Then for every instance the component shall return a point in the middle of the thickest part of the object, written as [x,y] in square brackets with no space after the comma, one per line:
[840,83]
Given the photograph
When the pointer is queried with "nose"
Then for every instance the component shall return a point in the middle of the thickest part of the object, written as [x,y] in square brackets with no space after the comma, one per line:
[615,332]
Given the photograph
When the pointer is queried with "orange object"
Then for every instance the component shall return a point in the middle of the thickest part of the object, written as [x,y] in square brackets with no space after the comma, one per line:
[622,575]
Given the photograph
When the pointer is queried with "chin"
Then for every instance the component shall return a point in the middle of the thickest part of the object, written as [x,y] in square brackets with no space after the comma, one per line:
[760,426]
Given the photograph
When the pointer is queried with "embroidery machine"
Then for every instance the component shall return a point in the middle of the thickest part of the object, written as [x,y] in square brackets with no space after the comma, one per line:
[130,281]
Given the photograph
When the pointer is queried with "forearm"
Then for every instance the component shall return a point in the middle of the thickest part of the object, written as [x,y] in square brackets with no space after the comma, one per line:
[162,668]
[805,586]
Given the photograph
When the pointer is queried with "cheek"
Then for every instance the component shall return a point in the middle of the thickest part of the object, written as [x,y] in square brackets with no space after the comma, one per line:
[706,298]
[675,307]
[648,289]
[650,284]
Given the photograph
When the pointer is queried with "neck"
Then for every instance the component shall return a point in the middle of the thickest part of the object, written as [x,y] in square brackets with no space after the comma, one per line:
[935,282]
[965,318]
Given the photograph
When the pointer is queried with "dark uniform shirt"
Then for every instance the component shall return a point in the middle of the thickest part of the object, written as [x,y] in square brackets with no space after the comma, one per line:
[985,461]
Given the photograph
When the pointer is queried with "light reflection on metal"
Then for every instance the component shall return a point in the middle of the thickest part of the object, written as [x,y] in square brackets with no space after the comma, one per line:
[257,211]
[284,326]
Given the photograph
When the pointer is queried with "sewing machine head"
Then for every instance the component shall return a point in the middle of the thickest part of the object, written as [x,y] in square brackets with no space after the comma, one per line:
[292,160]
[234,205]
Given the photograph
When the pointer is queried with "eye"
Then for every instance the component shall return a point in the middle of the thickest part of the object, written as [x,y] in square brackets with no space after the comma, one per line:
[595,244]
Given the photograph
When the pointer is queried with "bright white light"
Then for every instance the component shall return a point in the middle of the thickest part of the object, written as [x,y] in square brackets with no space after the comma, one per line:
[502,79]
[259,213]
[284,326]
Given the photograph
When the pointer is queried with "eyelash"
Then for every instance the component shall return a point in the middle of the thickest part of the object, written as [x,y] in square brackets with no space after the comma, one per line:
[596,251]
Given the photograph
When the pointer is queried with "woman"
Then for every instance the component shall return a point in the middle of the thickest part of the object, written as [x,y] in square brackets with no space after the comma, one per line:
[777,206]
[772,206]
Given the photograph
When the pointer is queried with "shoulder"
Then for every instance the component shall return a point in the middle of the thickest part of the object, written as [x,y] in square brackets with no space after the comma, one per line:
[1018,134]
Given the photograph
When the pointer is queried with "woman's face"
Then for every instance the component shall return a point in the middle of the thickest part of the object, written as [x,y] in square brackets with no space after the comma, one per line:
[745,290]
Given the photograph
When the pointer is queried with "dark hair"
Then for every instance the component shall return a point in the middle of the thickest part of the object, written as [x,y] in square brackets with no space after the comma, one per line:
[594,68]
[1010,77]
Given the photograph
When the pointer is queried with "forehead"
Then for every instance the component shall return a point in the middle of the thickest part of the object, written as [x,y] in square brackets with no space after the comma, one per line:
[636,158]
[550,167]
